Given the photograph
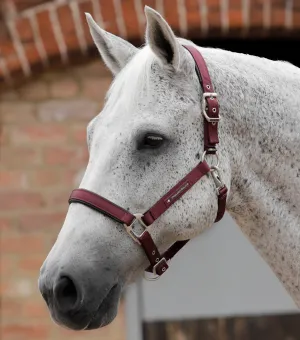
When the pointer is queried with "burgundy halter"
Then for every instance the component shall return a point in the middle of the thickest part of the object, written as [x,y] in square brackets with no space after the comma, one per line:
[158,262]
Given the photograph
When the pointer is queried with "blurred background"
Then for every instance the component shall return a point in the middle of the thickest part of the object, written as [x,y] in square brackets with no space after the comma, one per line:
[52,82]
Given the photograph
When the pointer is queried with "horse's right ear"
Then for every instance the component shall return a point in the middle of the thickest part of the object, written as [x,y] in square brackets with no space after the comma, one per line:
[115,51]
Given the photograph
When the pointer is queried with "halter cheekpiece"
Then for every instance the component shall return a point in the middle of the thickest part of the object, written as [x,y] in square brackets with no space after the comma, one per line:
[159,262]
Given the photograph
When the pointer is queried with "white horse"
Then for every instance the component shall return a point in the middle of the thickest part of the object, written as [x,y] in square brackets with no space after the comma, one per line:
[147,137]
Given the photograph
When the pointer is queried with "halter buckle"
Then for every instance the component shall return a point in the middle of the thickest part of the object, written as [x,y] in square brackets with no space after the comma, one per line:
[212,95]
[163,262]
[129,228]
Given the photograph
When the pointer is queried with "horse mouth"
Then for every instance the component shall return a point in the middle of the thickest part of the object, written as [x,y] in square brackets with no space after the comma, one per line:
[107,309]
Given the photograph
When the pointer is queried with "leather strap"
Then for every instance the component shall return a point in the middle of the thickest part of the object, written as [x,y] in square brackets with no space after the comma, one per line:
[101,205]
[175,193]
[211,138]
[222,197]
[157,262]
[169,254]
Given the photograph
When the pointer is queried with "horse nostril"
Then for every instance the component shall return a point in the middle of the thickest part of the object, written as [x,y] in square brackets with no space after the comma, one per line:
[66,294]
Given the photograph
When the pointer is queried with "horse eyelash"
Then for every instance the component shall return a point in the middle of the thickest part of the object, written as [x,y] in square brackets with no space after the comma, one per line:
[155,137]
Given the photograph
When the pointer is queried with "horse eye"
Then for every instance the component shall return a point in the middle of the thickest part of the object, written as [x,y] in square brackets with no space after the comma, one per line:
[151,141]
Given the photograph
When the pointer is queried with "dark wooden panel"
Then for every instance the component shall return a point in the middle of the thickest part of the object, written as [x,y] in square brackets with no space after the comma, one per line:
[276,327]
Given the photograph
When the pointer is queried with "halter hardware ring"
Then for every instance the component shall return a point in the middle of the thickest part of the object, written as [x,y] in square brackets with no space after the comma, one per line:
[129,228]
[204,155]
[212,95]
[147,277]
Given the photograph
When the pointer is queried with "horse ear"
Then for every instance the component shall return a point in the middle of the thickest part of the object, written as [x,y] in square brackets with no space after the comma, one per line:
[115,51]
[161,38]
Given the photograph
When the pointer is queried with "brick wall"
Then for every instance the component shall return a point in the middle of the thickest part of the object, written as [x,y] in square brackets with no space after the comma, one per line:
[36,33]
[42,155]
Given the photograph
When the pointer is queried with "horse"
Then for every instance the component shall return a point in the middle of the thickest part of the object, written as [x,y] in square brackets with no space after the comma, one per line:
[150,135]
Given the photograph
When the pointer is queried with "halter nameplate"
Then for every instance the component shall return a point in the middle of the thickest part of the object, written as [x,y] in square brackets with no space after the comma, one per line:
[158,262]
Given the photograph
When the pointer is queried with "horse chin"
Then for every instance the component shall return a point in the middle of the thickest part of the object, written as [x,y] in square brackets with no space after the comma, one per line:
[107,310]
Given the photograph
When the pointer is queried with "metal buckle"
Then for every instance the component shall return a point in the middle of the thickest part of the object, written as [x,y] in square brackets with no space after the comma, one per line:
[212,95]
[129,228]
[154,267]
[149,278]
[215,154]
[155,276]
[215,173]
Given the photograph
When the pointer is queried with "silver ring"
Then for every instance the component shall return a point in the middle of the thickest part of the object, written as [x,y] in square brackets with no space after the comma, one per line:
[216,155]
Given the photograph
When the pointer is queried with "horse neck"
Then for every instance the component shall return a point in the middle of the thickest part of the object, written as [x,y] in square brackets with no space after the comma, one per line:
[259,134]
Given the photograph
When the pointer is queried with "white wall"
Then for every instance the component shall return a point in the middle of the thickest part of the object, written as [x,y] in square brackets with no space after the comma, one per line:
[217,274]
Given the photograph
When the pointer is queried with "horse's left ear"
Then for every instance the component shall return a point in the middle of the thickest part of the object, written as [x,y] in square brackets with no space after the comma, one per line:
[161,38]
[115,51]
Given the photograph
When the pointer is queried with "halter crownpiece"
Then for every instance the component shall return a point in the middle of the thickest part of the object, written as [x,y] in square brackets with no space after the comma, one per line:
[158,262]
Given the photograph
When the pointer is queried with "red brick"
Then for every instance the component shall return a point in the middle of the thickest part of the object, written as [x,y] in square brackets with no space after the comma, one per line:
[6,224]
[66,156]
[78,134]
[86,7]
[25,332]
[171,15]
[150,3]
[76,109]
[7,264]
[235,4]
[64,88]
[235,19]
[95,88]
[256,14]
[36,310]
[92,69]
[51,178]
[13,63]
[43,222]
[24,29]
[17,112]
[10,309]
[9,95]
[26,35]
[20,157]
[40,133]
[30,263]
[296,19]
[4,289]
[278,17]
[68,27]
[22,244]
[59,198]
[24,4]
[131,20]
[109,16]
[193,17]
[37,90]
[11,179]
[5,132]
[7,50]
[214,15]
[46,31]
[17,200]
